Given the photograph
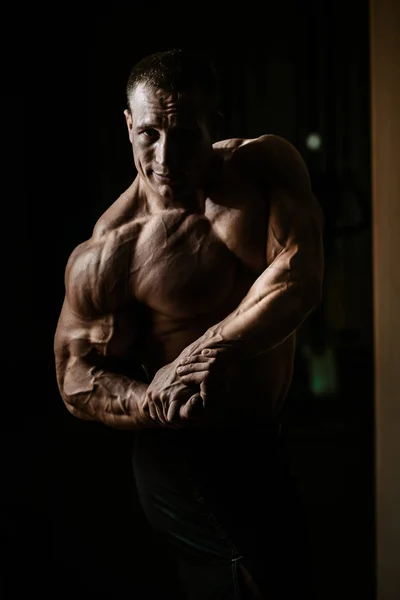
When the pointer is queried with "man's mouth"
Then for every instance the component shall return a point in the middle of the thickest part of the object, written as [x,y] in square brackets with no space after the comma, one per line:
[167,179]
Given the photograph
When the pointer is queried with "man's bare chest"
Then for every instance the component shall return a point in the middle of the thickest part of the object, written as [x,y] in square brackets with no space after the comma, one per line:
[193,264]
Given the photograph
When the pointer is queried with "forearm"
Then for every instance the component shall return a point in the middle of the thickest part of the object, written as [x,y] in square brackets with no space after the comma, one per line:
[263,320]
[94,394]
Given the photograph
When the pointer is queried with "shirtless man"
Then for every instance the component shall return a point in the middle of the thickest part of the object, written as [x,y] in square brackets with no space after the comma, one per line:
[200,272]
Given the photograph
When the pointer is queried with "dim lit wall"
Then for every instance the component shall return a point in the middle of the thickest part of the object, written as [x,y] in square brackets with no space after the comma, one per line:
[385,79]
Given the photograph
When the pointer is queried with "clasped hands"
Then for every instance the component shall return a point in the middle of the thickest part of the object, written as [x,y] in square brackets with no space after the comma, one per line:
[181,392]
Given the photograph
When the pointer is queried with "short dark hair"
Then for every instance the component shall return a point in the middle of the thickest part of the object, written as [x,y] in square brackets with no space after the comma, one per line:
[176,70]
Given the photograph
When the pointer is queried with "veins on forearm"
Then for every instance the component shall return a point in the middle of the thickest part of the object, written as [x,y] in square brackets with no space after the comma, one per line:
[111,398]
[272,310]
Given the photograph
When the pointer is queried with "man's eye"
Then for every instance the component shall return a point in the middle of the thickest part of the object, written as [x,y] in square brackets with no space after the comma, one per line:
[150,133]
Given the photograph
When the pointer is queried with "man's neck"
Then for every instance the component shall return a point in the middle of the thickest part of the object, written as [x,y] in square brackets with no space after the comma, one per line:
[194,201]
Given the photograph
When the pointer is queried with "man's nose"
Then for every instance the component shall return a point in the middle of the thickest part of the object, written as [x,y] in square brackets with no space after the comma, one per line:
[166,153]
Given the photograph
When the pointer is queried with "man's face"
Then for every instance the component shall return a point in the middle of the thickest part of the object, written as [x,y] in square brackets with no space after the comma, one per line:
[170,137]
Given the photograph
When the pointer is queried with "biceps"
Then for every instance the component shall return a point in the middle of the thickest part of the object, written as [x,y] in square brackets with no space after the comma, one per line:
[77,340]
[78,377]
[295,234]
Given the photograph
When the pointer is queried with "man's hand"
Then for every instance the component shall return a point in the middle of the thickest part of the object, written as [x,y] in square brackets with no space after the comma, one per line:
[171,402]
[210,369]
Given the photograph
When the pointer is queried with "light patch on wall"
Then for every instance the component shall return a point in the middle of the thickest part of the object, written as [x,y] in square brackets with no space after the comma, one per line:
[314,141]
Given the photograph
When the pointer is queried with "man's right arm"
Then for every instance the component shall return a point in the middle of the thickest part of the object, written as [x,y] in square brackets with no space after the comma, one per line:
[86,334]
[86,331]
[90,390]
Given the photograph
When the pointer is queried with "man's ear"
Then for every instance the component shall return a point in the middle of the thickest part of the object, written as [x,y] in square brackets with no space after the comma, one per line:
[128,119]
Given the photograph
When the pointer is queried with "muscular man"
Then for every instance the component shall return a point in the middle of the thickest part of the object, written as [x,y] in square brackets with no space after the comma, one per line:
[200,272]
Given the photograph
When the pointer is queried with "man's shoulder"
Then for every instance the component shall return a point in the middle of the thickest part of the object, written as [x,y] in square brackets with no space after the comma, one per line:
[271,157]
[229,147]
[266,139]
[269,149]
[115,227]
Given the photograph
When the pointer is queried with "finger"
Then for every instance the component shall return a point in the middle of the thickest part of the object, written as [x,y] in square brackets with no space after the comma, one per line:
[194,379]
[196,358]
[203,392]
[195,366]
[193,408]
[153,411]
[173,411]
[149,405]
[160,413]
[209,352]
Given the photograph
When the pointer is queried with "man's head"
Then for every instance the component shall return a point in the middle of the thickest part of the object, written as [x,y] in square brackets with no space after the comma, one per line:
[172,118]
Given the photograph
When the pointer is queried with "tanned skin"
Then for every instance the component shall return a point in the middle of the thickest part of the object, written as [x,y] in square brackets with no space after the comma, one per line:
[201,271]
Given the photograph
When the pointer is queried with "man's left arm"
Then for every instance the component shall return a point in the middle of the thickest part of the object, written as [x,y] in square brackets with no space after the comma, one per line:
[291,285]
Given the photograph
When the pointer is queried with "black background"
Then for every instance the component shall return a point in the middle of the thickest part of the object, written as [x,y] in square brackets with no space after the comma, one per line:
[70,519]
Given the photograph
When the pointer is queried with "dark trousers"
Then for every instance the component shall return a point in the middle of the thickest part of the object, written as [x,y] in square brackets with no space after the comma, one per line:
[225,509]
